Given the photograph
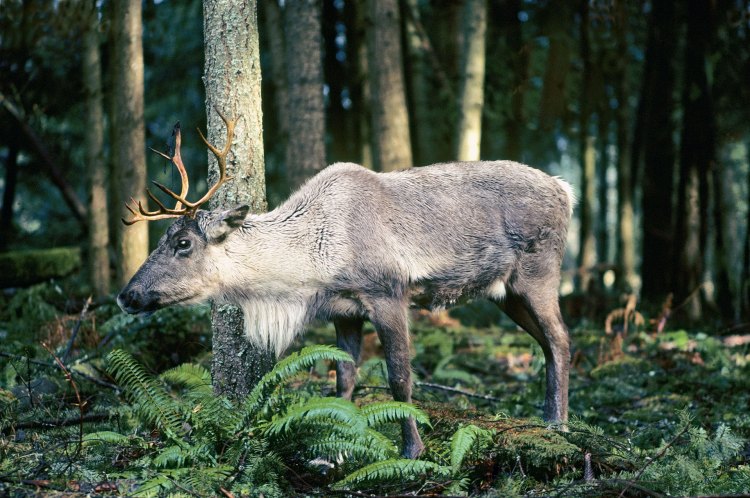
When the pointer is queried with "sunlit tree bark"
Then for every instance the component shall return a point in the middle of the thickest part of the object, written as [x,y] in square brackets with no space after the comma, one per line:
[390,117]
[471,94]
[128,131]
[233,84]
[98,244]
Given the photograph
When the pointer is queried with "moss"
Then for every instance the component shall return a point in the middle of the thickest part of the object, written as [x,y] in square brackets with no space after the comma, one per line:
[24,268]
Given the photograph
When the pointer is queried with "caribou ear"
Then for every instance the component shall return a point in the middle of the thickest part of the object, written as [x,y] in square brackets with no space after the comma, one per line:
[225,223]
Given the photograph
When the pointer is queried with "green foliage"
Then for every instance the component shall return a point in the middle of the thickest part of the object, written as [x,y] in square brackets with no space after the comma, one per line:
[464,440]
[397,469]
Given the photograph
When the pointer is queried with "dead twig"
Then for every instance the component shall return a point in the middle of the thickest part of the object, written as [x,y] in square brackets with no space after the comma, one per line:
[77,327]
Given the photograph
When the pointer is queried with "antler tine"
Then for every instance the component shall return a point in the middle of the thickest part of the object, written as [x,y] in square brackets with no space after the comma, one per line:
[221,157]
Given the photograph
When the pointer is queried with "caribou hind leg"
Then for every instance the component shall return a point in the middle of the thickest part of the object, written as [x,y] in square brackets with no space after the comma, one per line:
[349,339]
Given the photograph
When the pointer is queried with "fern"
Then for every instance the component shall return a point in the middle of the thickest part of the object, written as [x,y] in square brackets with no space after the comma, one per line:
[194,377]
[154,403]
[392,411]
[334,409]
[108,437]
[463,440]
[288,367]
[391,470]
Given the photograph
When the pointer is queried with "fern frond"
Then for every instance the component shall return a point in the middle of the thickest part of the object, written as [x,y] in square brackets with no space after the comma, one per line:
[194,377]
[463,440]
[392,411]
[155,404]
[336,409]
[108,437]
[369,446]
[400,469]
[295,362]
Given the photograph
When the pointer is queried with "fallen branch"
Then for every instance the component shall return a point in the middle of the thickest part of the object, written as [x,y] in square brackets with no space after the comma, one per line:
[80,403]
[76,329]
[55,424]
[454,390]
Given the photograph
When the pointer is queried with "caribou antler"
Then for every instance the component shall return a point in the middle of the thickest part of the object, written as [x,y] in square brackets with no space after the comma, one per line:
[183,206]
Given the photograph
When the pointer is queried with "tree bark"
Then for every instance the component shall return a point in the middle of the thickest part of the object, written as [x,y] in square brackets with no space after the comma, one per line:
[9,192]
[745,280]
[273,24]
[515,122]
[305,150]
[587,151]
[471,95]
[98,242]
[233,87]
[658,152]
[129,131]
[602,185]
[628,280]
[421,93]
[390,117]
[697,154]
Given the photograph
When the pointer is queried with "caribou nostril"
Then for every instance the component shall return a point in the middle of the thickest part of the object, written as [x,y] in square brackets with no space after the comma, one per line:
[128,300]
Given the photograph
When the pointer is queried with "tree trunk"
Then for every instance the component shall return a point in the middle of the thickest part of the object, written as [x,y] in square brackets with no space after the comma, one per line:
[390,117]
[9,192]
[587,151]
[305,150]
[552,102]
[625,235]
[658,152]
[745,280]
[697,154]
[98,244]
[232,79]
[602,186]
[129,131]
[356,51]
[515,123]
[721,194]
[274,32]
[421,93]
[471,95]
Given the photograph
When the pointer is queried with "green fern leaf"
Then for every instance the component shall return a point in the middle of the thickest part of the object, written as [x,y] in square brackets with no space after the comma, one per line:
[392,411]
[195,377]
[289,366]
[336,409]
[393,470]
[108,437]
[154,402]
[463,440]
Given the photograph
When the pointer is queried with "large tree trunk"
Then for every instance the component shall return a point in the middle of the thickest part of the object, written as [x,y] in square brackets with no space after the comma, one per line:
[515,122]
[471,94]
[745,280]
[305,150]
[98,244]
[129,131]
[390,117]
[625,216]
[697,153]
[232,79]
[658,151]
[602,185]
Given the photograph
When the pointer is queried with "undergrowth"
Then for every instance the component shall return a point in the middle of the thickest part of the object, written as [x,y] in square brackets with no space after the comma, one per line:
[120,405]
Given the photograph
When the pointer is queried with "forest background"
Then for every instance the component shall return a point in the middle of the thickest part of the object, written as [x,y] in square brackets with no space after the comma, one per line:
[642,106]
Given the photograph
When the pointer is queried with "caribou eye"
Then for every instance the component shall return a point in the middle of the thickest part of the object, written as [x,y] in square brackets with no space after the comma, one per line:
[183,244]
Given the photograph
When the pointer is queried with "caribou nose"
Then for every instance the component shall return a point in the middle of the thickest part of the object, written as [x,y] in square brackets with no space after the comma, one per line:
[129,301]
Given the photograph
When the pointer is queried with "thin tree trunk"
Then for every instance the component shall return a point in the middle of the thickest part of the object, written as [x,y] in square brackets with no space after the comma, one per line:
[390,117]
[232,79]
[9,192]
[625,216]
[602,186]
[722,206]
[515,123]
[471,95]
[421,93]
[552,102]
[745,280]
[98,257]
[273,25]
[697,154]
[129,131]
[305,150]
[659,152]
[587,151]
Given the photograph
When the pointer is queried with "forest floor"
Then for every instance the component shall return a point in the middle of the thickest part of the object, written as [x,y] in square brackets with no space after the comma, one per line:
[652,413]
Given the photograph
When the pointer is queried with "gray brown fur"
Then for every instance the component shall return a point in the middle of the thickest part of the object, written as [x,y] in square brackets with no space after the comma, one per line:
[353,245]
